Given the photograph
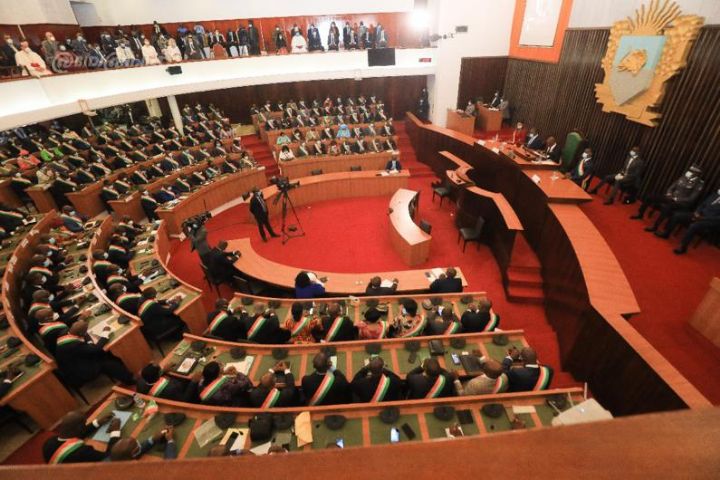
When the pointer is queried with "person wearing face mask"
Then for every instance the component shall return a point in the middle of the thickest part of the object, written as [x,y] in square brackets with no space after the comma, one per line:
[679,197]
[49,47]
[131,449]
[31,62]
[280,41]
[705,219]
[79,45]
[9,49]
[627,180]
[583,170]
[150,55]
[253,39]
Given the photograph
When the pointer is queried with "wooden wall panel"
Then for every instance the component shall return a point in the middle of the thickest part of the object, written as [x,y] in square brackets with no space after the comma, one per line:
[558,98]
[399,93]
[36,33]
[481,77]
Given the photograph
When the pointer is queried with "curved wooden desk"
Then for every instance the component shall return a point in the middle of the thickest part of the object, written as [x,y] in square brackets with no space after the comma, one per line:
[283,276]
[303,167]
[37,392]
[363,427]
[586,291]
[408,240]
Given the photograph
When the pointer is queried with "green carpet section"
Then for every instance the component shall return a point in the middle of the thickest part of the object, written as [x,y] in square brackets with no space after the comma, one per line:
[158,423]
[404,359]
[492,425]
[380,432]
[351,433]
[358,359]
[436,427]
[499,352]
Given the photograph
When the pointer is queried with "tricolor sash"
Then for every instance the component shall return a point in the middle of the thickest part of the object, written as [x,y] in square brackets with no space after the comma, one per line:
[127,296]
[493,323]
[145,306]
[68,447]
[299,326]
[323,389]
[271,399]
[501,384]
[70,218]
[51,327]
[117,248]
[417,329]
[37,306]
[103,263]
[334,328]
[437,387]
[11,214]
[115,278]
[217,320]
[158,388]
[43,270]
[213,387]
[452,328]
[381,389]
[68,339]
[383,331]
[256,326]
[543,380]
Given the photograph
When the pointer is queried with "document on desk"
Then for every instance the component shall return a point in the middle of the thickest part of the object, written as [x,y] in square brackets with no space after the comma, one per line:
[243,366]
[102,434]
[262,449]
[207,432]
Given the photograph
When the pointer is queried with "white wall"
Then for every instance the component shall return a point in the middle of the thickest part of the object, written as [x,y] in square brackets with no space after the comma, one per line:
[596,13]
[126,12]
[489,25]
[33,100]
[23,12]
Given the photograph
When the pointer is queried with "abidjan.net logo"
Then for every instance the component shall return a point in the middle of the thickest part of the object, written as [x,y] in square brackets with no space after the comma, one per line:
[67,62]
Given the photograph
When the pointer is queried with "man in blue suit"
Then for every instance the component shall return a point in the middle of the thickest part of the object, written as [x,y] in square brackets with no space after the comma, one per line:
[530,376]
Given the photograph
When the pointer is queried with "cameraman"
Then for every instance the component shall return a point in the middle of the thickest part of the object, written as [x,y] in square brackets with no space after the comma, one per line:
[259,210]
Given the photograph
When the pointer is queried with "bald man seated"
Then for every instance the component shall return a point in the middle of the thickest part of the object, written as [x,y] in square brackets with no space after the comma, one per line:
[492,380]
[429,380]
[531,376]
[326,385]
[375,383]
[131,449]
[68,445]
[276,388]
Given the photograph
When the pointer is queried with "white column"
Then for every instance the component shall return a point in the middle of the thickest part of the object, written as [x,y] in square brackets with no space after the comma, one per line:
[153,107]
[175,111]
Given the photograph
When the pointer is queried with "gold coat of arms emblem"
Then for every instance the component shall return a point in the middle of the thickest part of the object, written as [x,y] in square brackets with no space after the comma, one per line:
[642,54]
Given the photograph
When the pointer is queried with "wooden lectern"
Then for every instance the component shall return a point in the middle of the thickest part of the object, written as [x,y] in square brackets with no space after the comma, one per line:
[460,122]
[488,120]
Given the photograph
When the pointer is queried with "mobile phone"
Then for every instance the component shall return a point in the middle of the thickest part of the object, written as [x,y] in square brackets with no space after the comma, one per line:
[340,442]
[409,432]
[231,439]
[455,358]
[394,435]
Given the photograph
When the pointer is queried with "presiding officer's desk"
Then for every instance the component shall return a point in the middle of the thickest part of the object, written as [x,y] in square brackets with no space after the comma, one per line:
[38,392]
[363,426]
[349,357]
[407,238]
[304,166]
[283,276]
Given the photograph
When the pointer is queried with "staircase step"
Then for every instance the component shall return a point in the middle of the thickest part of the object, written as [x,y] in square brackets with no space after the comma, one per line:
[525,279]
[524,294]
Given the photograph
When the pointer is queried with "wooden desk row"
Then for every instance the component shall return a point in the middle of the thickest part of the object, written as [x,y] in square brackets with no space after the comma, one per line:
[407,238]
[37,392]
[304,166]
[350,357]
[363,426]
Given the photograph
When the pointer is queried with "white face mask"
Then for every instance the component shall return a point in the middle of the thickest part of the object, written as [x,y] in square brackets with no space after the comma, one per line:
[586,155]
[47,263]
[105,255]
[51,298]
[52,241]
[56,316]
[519,126]
[689,175]
[633,154]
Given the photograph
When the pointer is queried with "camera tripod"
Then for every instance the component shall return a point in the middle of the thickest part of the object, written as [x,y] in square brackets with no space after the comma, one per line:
[286,233]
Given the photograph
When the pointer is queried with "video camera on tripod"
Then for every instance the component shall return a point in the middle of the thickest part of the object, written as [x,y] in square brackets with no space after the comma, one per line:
[193,224]
[284,185]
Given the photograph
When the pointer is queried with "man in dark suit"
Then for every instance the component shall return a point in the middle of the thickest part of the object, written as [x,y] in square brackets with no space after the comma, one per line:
[376,289]
[393,164]
[326,385]
[375,383]
[552,150]
[159,316]
[276,389]
[264,326]
[335,326]
[447,283]
[221,264]
[583,170]
[705,218]
[81,361]
[222,322]
[429,381]
[153,382]
[531,376]
[68,447]
[259,210]
[629,178]
[479,318]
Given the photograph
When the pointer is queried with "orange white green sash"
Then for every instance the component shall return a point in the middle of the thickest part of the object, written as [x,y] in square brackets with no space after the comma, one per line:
[213,387]
[501,384]
[43,270]
[334,328]
[299,326]
[437,387]
[452,328]
[67,339]
[116,248]
[146,305]
[37,306]
[384,328]
[381,390]
[493,323]
[323,389]
[159,386]
[70,218]
[256,326]
[51,327]
[127,296]
[103,264]
[115,278]
[218,320]
[417,329]
[68,447]
[543,380]
[11,214]
[272,397]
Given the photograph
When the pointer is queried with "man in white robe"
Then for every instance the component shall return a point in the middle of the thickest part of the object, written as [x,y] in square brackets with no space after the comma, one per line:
[32,63]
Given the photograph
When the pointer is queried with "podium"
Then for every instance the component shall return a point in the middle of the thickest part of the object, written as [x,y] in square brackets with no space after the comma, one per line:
[460,122]
[706,319]
[488,120]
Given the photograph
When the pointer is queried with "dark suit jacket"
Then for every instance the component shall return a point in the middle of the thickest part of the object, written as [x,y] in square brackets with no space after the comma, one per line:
[176,389]
[380,291]
[84,454]
[339,393]
[419,385]
[159,318]
[230,329]
[256,208]
[80,362]
[270,332]
[364,387]
[447,285]
[633,173]
[522,379]
[288,395]
[474,321]
[389,165]
[347,330]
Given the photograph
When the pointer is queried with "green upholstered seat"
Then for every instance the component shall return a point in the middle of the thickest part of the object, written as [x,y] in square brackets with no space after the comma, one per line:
[573,142]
